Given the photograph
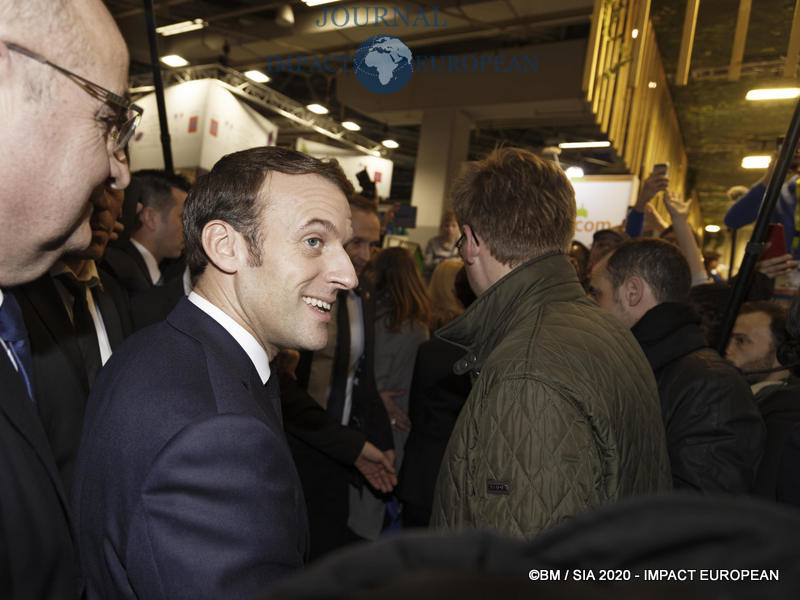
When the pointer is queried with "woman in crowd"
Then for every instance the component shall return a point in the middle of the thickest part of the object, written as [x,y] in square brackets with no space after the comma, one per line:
[443,246]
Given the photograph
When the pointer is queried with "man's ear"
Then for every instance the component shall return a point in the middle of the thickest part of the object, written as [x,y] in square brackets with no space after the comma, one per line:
[224,246]
[149,218]
[470,249]
[632,291]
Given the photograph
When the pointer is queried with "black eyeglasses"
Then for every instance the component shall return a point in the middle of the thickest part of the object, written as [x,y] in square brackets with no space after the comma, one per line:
[463,236]
[120,128]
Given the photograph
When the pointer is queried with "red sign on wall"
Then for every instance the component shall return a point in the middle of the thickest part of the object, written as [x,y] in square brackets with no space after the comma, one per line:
[192,124]
[214,127]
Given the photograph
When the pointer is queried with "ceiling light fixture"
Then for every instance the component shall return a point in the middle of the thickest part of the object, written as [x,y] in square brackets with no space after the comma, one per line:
[635,33]
[318,2]
[712,228]
[350,125]
[182,27]
[257,76]
[285,16]
[755,161]
[317,109]
[173,60]
[574,172]
[773,94]
[584,144]
[391,144]
[652,85]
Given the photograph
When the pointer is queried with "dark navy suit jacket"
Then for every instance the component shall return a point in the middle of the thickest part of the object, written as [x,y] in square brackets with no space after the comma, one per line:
[37,550]
[184,485]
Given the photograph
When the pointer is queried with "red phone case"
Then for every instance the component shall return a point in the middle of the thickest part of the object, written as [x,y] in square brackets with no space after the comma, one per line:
[776,236]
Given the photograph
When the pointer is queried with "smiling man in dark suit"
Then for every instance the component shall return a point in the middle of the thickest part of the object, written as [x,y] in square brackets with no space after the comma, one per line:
[185,486]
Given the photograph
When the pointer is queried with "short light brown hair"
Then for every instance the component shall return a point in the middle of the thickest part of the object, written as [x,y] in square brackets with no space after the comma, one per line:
[521,205]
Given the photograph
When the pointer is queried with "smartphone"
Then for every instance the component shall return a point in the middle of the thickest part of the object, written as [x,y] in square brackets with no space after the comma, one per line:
[777,239]
[663,167]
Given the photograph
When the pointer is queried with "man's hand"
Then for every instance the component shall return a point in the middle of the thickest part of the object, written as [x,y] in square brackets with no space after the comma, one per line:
[398,418]
[376,467]
[772,267]
[655,183]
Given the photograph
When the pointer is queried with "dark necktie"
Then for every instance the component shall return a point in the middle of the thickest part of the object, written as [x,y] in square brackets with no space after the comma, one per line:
[341,361]
[83,324]
[15,336]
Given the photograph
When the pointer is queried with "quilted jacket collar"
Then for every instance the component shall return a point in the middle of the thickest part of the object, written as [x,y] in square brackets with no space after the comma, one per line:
[510,300]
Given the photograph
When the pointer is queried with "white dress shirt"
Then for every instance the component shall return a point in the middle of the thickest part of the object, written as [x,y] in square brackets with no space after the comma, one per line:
[249,344]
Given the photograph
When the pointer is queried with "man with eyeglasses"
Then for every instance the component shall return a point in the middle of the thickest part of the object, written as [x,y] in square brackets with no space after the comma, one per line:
[563,415]
[63,70]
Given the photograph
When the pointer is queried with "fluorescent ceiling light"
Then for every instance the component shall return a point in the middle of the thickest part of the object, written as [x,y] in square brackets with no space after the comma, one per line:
[390,144]
[318,2]
[317,108]
[351,126]
[574,173]
[257,76]
[773,94]
[181,27]
[584,144]
[756,161]
[712,228]
[173,60]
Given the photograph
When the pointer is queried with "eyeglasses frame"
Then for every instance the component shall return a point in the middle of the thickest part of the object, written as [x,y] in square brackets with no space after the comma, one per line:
[98,92]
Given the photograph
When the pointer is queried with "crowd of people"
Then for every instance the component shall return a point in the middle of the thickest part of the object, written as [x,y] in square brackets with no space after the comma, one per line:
[208,385]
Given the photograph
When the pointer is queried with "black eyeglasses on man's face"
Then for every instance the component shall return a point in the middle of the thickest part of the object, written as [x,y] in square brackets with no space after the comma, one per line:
[119,128]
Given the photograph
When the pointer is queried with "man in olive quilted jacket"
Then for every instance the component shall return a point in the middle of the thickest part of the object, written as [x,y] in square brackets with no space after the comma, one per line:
[564,413]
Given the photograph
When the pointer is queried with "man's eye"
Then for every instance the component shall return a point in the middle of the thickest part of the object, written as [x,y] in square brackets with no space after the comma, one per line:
[314,243]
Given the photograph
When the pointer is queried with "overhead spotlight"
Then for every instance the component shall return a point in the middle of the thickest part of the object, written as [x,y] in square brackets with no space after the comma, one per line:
[391,144]
[652,85]
[756,161]
[773,94]
[285,16]
[566,145]
[173,60]
[257,76]
[182,27]
[712,228]
[318,2]
[574,172]
[351,125]
[635,33]
[317,108]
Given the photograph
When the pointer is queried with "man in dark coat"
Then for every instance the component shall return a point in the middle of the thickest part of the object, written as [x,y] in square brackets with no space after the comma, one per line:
[185,485]
[60,139]
[715,436]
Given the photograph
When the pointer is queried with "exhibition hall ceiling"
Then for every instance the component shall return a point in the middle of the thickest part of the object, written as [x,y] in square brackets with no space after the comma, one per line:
[718,126]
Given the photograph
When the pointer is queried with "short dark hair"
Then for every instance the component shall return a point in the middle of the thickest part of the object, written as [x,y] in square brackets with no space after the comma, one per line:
[153,189]
[521,205]
[176,180]
[362,203]
[777,314]
[229,192]
[660,264]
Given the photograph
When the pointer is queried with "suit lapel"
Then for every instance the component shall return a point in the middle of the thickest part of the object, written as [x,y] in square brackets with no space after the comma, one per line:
[230,370]
[110,313]
[21,413]
[42,297]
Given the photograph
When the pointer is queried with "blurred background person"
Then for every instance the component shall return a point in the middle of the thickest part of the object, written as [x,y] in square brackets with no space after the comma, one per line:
[437,395]
[402,317]
[445,306]
[443,246]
